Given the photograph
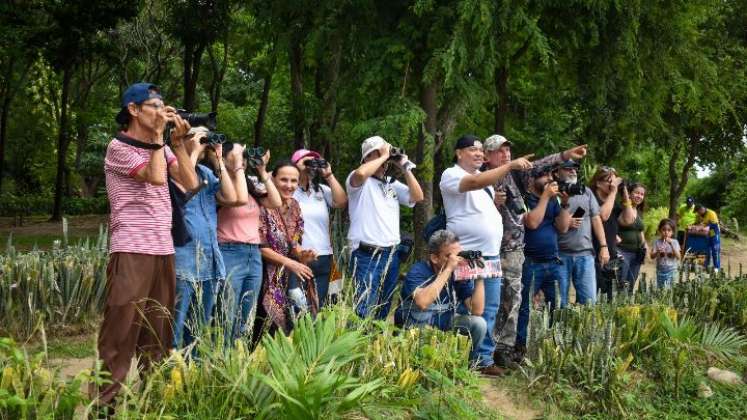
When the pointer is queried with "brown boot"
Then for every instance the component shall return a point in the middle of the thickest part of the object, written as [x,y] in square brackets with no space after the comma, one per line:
[492,370]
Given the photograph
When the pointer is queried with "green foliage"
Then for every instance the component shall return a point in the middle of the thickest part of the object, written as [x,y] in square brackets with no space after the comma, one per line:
[611,351]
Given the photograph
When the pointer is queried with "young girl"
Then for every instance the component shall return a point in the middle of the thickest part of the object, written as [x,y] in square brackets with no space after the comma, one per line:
[666,252]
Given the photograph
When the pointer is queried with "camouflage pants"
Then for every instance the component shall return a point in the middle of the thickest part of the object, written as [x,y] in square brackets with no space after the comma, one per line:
[508,314]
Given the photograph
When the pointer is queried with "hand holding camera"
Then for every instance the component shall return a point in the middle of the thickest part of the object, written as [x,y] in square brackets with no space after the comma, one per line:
[473,258]
[551,189]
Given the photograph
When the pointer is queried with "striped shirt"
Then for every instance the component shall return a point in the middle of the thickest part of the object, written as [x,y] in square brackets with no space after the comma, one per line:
[140,220]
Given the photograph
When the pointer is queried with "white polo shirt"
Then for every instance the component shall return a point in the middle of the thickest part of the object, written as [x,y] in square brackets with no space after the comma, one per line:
[471,215]
[374,211]
[315,213]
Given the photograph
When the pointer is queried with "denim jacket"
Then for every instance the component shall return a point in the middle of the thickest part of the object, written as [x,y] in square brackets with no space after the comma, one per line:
[200,259]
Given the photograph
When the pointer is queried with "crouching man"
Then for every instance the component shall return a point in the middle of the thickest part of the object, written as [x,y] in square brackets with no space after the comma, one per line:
[432,296]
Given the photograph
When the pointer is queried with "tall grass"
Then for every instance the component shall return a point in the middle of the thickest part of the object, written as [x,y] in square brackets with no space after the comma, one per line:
[61,287]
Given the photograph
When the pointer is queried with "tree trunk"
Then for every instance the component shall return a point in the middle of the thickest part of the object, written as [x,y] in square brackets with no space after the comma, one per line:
[62,144]
[501,105]
[423,154]
[192,59]
[219,73]
[678,181]
[4,133]
[329,100]
[262,111]
[298,111]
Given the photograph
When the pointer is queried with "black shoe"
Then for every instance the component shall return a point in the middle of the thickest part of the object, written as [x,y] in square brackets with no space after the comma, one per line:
[504,359]
[519,353]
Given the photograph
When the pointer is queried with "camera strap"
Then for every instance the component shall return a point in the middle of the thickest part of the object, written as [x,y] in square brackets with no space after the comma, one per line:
[137,143]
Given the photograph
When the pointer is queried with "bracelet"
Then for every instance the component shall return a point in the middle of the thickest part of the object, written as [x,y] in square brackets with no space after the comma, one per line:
[240,168]
[328,176]
[265,179]
[602,246]
[565,206]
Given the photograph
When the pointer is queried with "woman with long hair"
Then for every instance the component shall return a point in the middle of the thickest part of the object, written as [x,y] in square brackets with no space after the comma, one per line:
[281,230]
[605,184]
[318,191]
[239,239]
[631,231]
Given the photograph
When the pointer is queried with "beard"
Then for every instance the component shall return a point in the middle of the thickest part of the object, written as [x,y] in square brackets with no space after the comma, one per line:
[571,179]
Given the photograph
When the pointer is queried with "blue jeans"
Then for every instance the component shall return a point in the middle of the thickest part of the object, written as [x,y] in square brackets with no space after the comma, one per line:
[244,270]
[580,269]
[631,267]
[714,248]
[189,315]
[369,272]
[492,303]
[321,269]
[664,279]
[470,325]
[543,275]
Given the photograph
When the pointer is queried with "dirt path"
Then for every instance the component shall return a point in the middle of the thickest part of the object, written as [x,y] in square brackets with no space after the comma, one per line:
[505,403]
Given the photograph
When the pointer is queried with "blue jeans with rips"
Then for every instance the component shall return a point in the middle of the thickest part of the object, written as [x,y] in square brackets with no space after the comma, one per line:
[244,267]
[541,276]
[376,276]
[492,303]
[190,314]
[579,269]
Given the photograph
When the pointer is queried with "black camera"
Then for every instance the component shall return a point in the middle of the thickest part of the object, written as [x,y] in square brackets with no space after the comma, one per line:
[316,164]
[254,156]
[474,258]
[513,203]
[395,153]
[208,120]
[539,171]
[213,138]
[571,189]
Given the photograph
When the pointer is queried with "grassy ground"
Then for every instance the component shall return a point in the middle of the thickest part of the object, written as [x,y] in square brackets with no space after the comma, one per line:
[74,349]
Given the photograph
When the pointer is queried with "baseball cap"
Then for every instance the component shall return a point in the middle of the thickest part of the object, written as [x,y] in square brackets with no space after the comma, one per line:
[467,140]
[137,93]
[495,142]
[370,144]
[570,163]
[302,153]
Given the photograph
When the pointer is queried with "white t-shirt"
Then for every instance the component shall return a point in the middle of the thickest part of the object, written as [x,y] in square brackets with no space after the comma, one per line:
[315,213]
[374,211]
[471,215]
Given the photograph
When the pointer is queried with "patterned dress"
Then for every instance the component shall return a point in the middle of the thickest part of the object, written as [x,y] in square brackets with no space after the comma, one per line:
[281,231]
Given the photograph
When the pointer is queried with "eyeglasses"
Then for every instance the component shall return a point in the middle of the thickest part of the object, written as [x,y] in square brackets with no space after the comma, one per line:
[155,106]
[607,169]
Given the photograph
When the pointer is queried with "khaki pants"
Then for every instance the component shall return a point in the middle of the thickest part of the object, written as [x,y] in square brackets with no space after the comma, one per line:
[137,315]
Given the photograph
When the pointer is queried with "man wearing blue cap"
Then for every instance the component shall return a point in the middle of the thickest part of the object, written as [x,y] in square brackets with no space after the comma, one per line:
[140,275]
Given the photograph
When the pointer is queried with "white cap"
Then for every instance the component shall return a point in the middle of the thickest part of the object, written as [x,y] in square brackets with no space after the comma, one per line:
[370,144]
[495,142]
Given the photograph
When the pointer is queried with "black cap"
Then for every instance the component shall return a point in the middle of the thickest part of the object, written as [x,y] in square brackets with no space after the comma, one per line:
[570,163]
[467,140]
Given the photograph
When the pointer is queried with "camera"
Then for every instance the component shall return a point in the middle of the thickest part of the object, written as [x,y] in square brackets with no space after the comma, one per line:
[513,203]
[474,258]
[254,156]
[395,153]
[571,189]
[208,120]
[213,138]
[316,164]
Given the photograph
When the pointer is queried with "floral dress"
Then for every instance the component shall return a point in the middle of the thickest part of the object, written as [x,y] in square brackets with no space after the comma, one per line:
[281,231]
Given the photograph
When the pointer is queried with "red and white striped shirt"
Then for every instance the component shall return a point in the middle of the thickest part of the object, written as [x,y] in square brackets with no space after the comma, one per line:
[140,220]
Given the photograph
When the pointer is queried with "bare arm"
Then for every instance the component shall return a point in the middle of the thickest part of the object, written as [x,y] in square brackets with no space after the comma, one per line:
[476,302]
[155,171]
[598,228]
[629,213]
[278,259]
[491,177]
[339,198]
[184,172]
[416,193]
[424,296]
[369,168]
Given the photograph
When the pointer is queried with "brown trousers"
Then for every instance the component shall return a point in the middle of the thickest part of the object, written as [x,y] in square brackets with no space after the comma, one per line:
[137,316]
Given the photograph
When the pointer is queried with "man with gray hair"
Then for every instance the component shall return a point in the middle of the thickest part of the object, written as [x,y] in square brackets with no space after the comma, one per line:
[432,295]
[509,198]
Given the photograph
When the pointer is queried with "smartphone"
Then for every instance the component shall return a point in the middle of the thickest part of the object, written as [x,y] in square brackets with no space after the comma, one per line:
[579,213]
